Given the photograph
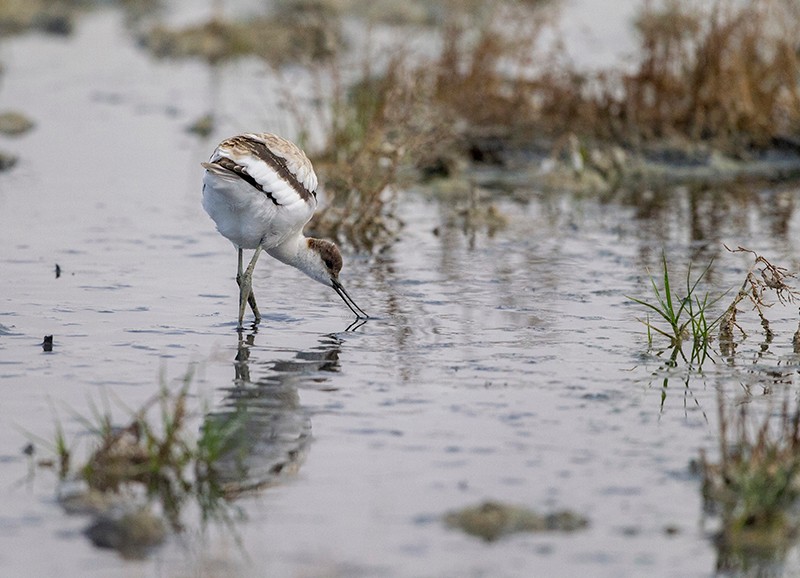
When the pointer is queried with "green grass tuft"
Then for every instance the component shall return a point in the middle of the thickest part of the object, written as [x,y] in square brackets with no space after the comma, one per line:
[686,315]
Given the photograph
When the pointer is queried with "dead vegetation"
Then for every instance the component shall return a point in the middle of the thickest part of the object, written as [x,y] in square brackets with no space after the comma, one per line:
[375,129]
[469,72]
[725,73]
[721,76]
[718,78]
[762,279]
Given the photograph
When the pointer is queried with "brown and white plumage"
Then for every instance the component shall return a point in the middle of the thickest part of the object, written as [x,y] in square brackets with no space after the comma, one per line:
[260,190]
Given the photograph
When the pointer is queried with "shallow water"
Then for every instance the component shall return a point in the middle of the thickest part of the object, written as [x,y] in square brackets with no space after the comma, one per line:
[508,366]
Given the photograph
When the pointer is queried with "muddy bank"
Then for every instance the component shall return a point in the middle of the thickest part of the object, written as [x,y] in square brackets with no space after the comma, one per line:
[607,167]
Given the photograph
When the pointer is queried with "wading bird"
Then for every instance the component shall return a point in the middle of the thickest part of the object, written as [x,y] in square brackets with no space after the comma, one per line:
[259,189]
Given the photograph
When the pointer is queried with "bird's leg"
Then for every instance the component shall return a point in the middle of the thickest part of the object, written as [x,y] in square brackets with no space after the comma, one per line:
[245,281]
[251,299]
[239,276]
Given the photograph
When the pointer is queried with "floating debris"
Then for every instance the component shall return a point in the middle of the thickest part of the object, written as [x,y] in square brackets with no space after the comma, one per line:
[58,270]
[493,520]
[7,160]
[14,123]
[203,126]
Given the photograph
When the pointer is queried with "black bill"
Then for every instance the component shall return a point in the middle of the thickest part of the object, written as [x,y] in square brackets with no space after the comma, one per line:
[348,300]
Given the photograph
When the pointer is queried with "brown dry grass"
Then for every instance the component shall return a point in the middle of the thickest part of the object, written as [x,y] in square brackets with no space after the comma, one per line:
[482,73]
[726,73]
[377,127]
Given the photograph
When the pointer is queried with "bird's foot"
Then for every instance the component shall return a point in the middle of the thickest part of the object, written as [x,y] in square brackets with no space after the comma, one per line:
[245,291]
[247,297]
[252,301]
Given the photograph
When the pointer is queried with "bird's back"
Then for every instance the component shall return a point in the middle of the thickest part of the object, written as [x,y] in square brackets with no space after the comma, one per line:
[259,189]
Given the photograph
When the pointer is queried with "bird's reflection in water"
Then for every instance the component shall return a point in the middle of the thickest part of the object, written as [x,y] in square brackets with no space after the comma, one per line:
[267,430]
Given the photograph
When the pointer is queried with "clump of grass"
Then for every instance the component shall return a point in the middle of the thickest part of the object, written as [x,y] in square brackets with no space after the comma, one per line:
[681,318]
[154,455]
[686,315]
[756,485]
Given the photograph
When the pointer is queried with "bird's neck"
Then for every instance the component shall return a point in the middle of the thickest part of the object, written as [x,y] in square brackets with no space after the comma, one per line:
[295,251]
[291,250]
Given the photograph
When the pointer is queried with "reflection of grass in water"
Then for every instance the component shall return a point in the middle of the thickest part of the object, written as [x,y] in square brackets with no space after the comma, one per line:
[757,482]
[754,487]
[154,455]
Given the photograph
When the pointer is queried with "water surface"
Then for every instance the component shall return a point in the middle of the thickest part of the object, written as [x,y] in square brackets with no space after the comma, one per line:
[506,366]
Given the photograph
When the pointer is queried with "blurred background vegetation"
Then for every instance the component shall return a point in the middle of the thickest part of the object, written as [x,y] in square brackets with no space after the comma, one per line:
[466,84]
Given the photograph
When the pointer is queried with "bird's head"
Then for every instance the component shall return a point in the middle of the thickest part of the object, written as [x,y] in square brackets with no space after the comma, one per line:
[327,263]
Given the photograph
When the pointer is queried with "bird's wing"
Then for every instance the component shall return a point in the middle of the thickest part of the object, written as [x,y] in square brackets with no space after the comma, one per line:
[272,165]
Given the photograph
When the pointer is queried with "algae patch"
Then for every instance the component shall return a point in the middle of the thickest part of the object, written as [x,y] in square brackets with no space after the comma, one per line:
[14,123]
[494,520]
